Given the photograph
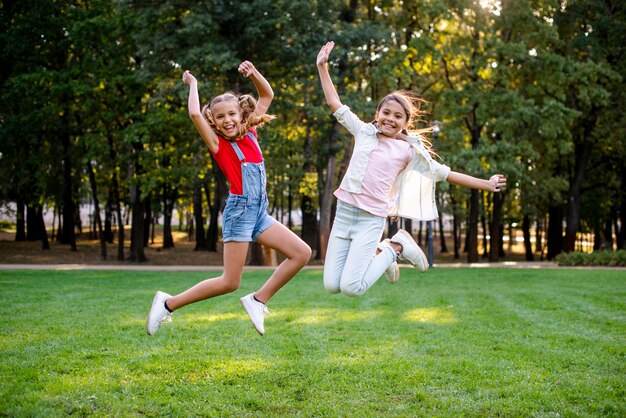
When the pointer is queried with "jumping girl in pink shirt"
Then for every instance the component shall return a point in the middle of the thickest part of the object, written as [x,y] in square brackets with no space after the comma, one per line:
[355,259]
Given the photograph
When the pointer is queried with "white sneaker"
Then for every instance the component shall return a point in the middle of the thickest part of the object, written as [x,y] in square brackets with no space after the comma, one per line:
[411,252]
[392,274]
[158,313]
[256,311]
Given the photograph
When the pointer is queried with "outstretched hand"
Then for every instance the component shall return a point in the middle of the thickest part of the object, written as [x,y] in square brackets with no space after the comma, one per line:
[322,56]
[497,181]
[246,68]
[188,78]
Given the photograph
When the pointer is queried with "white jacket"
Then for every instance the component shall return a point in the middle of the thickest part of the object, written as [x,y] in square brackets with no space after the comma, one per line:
[413,193]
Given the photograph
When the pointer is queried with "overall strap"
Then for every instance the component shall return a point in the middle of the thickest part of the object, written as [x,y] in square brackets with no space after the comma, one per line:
[240,155]
[251,136]
[238,151]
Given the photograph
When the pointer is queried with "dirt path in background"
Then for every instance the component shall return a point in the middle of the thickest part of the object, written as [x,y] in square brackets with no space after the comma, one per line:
[183,254]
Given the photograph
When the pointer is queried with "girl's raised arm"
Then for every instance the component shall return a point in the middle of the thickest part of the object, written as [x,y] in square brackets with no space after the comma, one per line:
[195,113]
[330,93]
[494,183]
[266,94]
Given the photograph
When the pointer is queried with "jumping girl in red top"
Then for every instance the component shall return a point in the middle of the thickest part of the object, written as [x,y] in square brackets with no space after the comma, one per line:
[227,125]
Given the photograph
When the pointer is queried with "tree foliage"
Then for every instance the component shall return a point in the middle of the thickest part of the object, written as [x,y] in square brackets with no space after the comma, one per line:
[93,106]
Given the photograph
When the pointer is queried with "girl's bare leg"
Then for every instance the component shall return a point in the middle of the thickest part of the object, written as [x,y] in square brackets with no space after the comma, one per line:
[234,260]
[298,253]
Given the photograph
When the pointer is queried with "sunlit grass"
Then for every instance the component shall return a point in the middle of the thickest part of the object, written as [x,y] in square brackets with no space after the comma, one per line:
[433,315]
[451,342]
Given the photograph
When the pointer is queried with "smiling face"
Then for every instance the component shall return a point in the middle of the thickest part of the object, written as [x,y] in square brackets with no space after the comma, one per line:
[391,118]
[226,116]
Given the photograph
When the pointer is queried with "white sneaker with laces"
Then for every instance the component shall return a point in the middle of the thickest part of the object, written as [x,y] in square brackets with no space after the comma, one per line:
[392,274]
[411,252]
[158,314]
[256,311]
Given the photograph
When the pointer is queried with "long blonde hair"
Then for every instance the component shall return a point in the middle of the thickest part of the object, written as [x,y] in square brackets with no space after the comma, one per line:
[412,104]
[247,105]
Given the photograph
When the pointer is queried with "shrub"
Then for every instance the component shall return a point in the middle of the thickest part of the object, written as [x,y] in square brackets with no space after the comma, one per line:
[596,258]
[4,224]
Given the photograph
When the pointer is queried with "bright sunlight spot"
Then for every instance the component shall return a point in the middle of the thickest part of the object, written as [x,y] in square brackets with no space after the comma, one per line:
[220,317]
[431,315]
[493,6]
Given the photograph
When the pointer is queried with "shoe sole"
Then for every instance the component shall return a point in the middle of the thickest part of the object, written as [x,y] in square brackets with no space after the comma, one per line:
[424,265]
[420,253]
[397,275]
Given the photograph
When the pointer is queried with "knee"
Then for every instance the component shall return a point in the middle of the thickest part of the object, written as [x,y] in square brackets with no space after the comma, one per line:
[230,284]
[303,254]
[331,289]
[331,286]
[352,291]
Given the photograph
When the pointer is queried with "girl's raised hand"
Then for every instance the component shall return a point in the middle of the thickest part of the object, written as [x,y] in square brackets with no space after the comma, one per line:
[246,68]
[188,78]
[497,182]
[322,56]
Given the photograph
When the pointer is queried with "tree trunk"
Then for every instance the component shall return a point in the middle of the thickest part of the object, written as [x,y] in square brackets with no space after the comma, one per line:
[472,239]
[539,235]
[496,228]
[455,225]
[147,220]
[528,248]
[219,200]
[137,237]
[621,231]
[45,245]
[392,227]
[408,225]
[120,224]
[256,254]
[325,206]
[69,207]
[420,234]
[582,152]
[483,222]
[108,208]
[555,231]
[96,203]
[607,235]
[169,198]
[32,224]
[201,241]
[442,235]
[20,224]
[486,232]
[59,214]
[290,208]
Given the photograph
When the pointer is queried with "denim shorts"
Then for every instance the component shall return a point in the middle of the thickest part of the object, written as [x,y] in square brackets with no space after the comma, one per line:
[245,218]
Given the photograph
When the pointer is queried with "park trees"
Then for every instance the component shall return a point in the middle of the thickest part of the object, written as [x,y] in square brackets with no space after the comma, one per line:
[532,89]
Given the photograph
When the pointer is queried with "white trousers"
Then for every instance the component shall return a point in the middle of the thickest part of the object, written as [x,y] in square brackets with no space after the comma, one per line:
[351,266]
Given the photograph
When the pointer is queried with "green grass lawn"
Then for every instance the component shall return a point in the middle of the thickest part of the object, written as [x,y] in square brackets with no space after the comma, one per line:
[451,342]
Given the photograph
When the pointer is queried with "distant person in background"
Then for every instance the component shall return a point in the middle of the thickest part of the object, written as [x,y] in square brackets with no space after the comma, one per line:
[228,126]
[391,173]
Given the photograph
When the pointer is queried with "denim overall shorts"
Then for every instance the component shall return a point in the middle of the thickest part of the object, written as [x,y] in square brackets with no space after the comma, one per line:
[245,216]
